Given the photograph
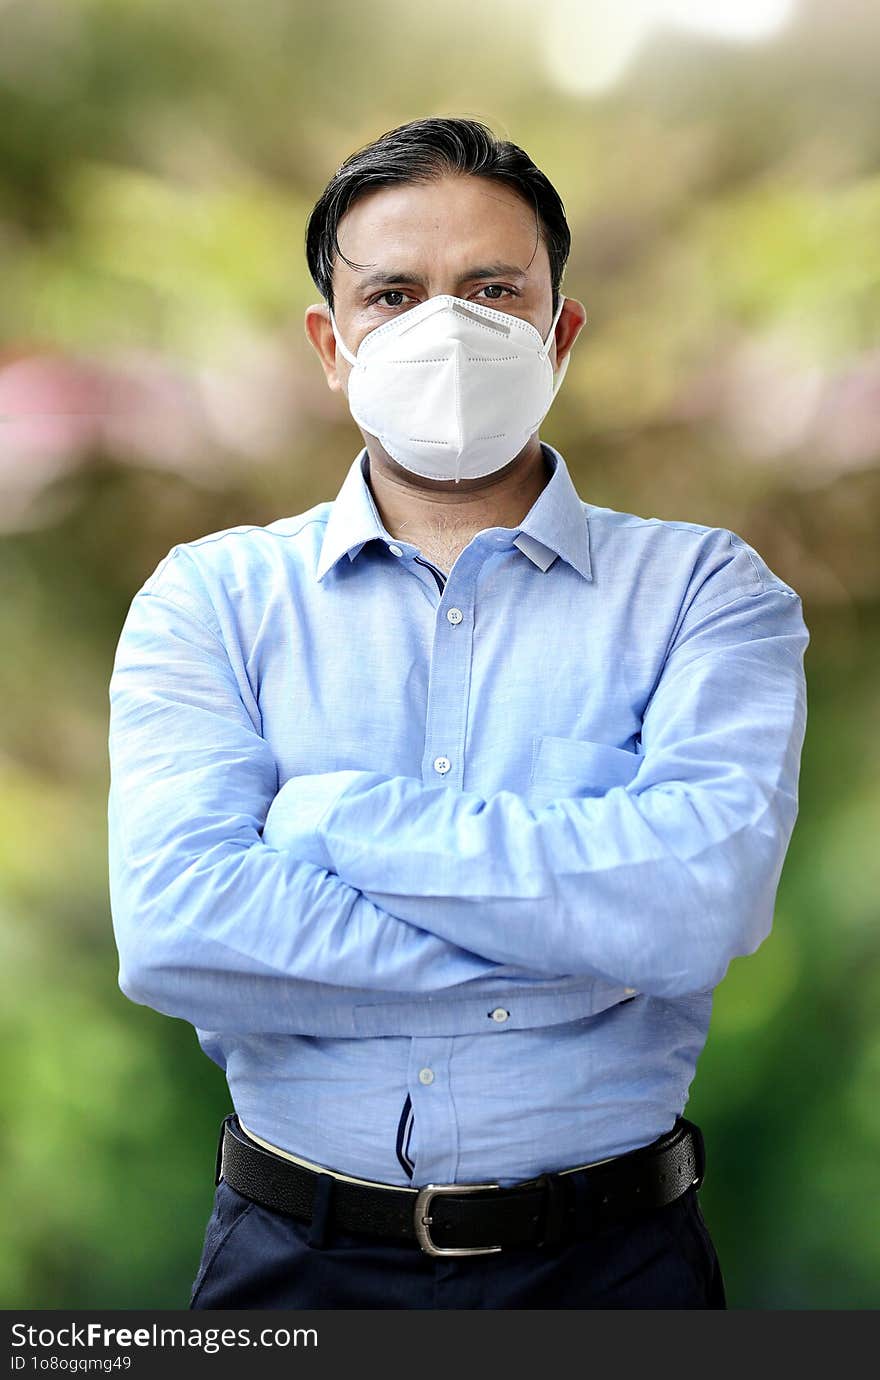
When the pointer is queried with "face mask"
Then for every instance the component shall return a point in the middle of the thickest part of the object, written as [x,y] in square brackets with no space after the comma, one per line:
[452,389]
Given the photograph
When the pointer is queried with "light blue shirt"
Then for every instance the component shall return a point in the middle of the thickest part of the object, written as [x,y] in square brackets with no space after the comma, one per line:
[443,870]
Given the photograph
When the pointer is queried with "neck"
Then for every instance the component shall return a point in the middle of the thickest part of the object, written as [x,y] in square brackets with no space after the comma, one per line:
[411,507]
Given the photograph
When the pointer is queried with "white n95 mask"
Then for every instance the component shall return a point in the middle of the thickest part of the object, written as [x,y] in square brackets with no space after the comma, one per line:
[452,389]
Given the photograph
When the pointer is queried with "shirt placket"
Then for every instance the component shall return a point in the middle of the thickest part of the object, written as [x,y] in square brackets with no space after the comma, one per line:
[435,1123]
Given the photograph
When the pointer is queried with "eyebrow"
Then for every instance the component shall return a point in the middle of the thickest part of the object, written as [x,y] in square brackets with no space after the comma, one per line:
[384,277]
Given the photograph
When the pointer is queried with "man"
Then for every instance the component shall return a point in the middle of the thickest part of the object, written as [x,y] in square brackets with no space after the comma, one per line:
[441,809]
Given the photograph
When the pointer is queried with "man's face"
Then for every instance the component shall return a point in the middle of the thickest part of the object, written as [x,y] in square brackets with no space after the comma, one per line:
[464,235]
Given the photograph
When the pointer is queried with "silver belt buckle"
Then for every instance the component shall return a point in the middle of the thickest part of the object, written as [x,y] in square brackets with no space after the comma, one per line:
[423,1219]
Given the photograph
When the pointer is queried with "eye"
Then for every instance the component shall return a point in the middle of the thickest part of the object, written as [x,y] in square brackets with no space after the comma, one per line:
[392,292]
[497,288]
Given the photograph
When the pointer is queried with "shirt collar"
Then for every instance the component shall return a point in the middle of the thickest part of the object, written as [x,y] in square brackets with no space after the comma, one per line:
[555,525]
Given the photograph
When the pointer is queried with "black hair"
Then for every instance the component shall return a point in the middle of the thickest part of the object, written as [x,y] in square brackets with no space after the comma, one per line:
[417,152]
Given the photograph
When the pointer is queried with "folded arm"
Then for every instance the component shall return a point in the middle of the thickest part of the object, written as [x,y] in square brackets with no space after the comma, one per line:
[657,884]
[212,923]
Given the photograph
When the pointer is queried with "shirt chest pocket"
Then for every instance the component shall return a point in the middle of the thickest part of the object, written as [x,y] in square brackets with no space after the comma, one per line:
[573,767]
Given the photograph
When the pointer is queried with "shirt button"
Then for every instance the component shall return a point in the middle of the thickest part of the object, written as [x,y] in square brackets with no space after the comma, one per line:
[442,765]
[499,1014]
[426,1076]
[455,615]
[395,550]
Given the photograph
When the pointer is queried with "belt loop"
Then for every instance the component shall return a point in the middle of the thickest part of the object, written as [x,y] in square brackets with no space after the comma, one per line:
[218,1164]
[322,1211]
[554,1214]
[700,1153]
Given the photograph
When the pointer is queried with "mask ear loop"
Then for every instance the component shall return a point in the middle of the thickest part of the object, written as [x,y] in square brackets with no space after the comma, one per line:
[343,348]
[552,331]
[560,372]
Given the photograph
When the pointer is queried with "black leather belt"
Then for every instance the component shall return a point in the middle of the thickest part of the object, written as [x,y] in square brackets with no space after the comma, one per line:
[474,1219]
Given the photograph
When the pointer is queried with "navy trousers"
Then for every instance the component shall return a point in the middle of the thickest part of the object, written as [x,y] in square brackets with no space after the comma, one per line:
[257,1258]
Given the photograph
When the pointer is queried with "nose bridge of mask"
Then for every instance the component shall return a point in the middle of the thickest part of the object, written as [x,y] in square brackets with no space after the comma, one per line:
[481,319]
[407,321]
[502,322]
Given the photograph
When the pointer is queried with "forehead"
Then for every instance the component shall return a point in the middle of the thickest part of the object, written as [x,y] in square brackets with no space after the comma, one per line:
[448,220]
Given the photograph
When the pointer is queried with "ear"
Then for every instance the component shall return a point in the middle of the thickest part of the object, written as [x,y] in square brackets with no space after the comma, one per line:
[568,327]
[319,333]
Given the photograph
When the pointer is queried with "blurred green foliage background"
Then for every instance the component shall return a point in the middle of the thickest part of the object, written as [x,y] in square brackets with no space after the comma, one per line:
[157,165]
